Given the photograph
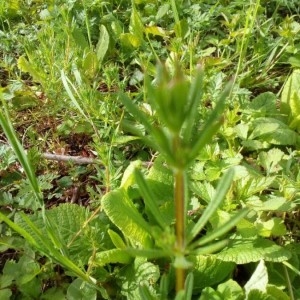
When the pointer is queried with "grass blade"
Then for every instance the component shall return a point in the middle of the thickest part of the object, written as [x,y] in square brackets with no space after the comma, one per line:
[20,152]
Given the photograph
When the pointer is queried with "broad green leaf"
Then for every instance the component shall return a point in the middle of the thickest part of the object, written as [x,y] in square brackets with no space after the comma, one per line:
[277,293]
[243,252]
[290,99]
[126,217]
[162,11]
[274,204]
[148,253]
[156,31]
[270,160]
[103,43]
[209,293]
[221,191]
[160,182]
[258,280]
[136,26]
[209,270]
[5,294]
[129,40]
[128,178]
[264,105]
[140,273]
[79,289]
[258,295]
[112,256]
[25,66]
[33,235]
[273,227]
[272,131]
[241,130]
[230,290]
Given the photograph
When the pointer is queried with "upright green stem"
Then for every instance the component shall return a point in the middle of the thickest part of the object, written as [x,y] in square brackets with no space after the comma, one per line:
[180,228]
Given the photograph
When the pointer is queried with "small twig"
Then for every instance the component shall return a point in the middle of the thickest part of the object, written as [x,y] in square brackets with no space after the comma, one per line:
[79,160]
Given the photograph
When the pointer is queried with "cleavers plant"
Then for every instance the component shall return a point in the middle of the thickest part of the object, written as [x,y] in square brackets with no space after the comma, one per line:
[175,134]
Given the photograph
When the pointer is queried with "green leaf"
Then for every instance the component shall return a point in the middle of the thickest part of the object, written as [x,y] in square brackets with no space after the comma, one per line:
[273,227]
[149,199]
[112,256]
[103,43]
[214,204]
[129,175]
[209,270]
[136,26]
[116,239]
[218,232]
[209,293]
[290,99]
[264,105]
[258,280]
[230,290]
[277,293]
[270,160]
[5,294]
[273,131]
[140,273]
[188,286]
[25,66]
[243,252]
[20,152]
[126,217]
[80,290]
[211,126]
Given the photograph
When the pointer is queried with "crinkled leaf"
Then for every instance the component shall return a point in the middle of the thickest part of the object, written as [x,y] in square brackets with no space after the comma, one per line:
[243,252]
[273,131]
[112,256]
[209,270]
[140,273]
[126,217]
[264,104]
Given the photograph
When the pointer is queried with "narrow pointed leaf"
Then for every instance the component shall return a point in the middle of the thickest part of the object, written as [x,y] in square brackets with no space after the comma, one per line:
[116,239]
[225,228]
[211,126]
[212,248]
[221,191]
[67,84]
[195,95]
[20,152]
[135,111]
[149,198]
